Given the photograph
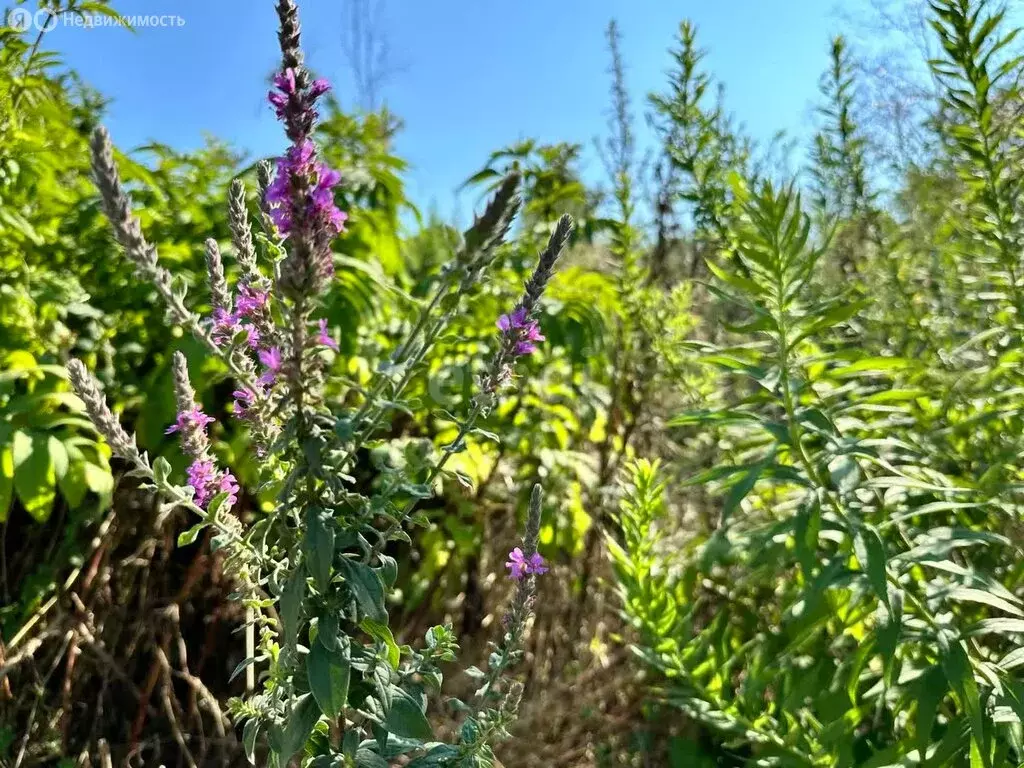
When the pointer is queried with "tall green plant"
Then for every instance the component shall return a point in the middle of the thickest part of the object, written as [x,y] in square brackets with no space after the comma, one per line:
[700,150]
[830,619]
[980,78]
[314,573]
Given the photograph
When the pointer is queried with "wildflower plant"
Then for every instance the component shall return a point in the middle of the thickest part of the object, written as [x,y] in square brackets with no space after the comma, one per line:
[314,572]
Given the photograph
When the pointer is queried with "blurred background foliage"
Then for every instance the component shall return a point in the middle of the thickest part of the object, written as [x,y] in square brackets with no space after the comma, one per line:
[778,419]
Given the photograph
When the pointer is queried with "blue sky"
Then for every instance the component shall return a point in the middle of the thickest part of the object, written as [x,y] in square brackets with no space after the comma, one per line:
[476,74]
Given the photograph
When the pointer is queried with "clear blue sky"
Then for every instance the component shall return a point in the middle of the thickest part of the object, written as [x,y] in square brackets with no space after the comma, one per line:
[477,74]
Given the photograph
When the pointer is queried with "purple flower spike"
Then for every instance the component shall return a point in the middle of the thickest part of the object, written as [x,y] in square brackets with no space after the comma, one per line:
[300,198]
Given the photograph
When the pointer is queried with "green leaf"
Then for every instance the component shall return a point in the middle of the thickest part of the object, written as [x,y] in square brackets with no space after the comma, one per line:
[34,475]
[869,366]
[99,479]
[329,673]
[72,485]
[249,733]
[844,473]
[999,626]
[187,537]
[957,666]
[6,480]
[938,542]
[860,660]
[367,589]
[688,418]
[480,177]
[834,316]
[319,546]
[58,455]
[366,758]
[968,594]
[243,665]
[1012,660]
[350,744]
[327,629]
[742,284]
[215,504]
[382,633]
[870,553]
[406,718]
[380,677]
[739,490]
[299,724]
[439,755]
[930,690]
[388,570]
[291,604]
[161,470]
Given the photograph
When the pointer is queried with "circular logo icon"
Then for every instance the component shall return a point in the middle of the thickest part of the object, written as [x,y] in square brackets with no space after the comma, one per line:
[19,19]
[45,20]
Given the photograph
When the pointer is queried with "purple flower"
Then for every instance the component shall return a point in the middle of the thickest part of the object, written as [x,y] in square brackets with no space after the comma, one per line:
[191,420]
[324,338]
[298,171]
[327,180]
[285,83]
[278,191]
[250,301]
[513,321]
[336,218]
[322,211]
[279,101]
[519,566]
[228,484]
[524,331]
[300,155]
[319,87]
[207,482]
[536,564]
[225,326]
[271,358]
[243,402]
[253,335]
[202,476]
[300,199]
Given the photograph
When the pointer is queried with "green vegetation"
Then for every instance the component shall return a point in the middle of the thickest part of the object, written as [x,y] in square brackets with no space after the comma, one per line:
[778,421]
